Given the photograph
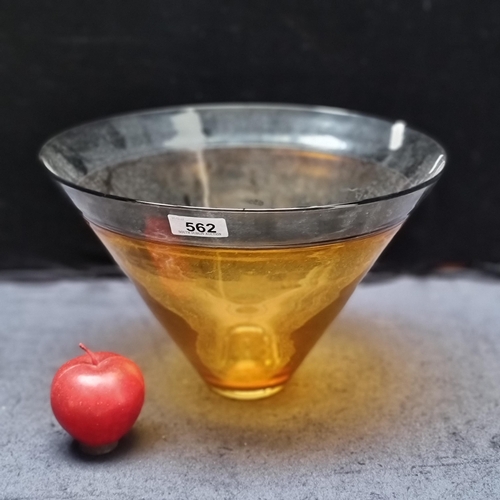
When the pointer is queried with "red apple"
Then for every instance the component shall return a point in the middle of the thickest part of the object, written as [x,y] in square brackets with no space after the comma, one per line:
[97,398]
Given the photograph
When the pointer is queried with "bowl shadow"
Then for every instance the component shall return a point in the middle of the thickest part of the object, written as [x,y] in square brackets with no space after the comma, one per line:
[361,380]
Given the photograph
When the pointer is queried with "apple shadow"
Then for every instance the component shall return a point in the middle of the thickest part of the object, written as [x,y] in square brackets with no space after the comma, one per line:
[126,444]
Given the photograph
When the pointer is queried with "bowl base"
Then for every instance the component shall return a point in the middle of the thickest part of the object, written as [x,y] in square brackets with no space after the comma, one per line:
[248,395]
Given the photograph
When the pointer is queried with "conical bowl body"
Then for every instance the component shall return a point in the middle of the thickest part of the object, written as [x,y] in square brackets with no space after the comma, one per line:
[245,228]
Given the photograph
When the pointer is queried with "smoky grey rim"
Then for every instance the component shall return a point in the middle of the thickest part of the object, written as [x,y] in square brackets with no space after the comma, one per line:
[215,106]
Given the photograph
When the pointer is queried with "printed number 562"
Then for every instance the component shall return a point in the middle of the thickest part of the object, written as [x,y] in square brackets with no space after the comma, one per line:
[200,227]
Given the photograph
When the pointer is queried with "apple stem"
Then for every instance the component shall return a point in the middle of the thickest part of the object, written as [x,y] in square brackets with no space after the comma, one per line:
[89,352]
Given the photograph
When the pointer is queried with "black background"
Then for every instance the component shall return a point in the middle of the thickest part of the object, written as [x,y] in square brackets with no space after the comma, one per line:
[433,63]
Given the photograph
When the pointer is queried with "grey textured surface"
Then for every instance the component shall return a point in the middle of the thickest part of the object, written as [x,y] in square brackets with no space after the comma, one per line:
[399,400]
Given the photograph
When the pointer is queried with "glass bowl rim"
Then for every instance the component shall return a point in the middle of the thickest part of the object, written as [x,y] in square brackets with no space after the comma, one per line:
[441,160]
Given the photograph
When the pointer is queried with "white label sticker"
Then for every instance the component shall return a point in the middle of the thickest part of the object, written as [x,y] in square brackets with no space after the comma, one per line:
[198,226]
